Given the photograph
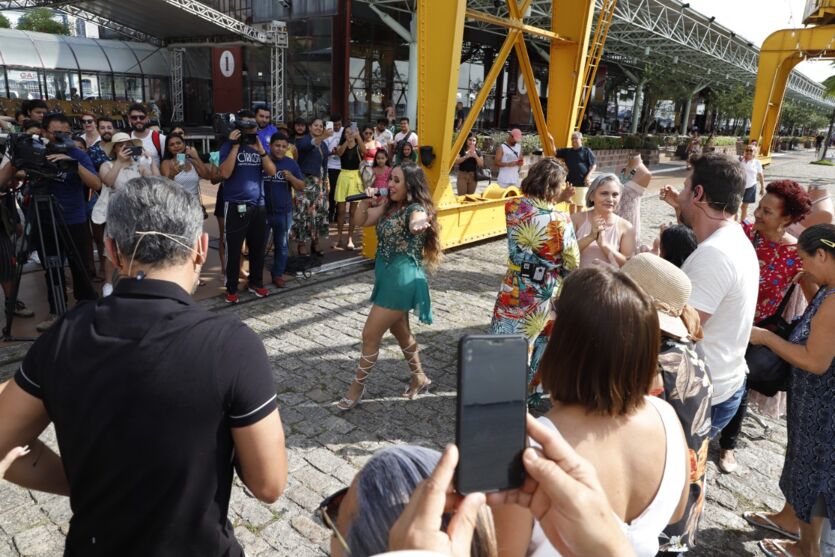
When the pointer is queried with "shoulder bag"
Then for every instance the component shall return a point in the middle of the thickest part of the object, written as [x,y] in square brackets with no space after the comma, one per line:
[768,373]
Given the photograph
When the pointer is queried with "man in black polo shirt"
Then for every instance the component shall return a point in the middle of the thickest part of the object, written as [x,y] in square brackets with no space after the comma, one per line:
[154,399]
[580,161]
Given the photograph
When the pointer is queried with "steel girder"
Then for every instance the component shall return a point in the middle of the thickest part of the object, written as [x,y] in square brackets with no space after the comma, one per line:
[177,101]
[678,38]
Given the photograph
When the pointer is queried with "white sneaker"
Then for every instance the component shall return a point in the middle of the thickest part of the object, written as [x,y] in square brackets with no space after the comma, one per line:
[727,461]
[106,290]
[33,257]
[44,325]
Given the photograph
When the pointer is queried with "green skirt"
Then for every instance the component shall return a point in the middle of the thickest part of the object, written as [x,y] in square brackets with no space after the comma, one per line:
[401,285]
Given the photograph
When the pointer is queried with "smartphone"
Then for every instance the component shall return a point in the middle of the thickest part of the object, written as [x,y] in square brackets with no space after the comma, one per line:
[136,150]
[329,125]
[181,159]
[490,429]
[354,128]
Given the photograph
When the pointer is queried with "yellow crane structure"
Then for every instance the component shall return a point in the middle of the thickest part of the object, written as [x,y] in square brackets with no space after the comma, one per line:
[440,30]
[780,53]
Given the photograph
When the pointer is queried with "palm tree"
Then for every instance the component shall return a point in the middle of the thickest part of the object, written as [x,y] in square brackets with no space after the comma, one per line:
[829,91]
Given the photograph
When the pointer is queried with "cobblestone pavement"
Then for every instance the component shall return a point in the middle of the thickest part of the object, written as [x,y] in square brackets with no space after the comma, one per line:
[312,338]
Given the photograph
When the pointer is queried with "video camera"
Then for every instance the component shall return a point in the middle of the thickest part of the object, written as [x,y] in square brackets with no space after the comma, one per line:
[28,153]
[225,122]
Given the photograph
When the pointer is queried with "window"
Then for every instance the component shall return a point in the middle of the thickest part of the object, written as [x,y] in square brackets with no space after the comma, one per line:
[24,84]
[106,86]
[90,87]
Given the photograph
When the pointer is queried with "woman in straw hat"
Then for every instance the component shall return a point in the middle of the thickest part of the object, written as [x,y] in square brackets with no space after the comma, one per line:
[122,167]
[683,380]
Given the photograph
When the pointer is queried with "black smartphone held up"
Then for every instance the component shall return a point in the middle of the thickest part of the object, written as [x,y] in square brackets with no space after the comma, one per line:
[491,412]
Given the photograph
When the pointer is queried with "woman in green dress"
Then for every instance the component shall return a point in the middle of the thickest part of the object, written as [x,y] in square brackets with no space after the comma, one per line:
[408,244]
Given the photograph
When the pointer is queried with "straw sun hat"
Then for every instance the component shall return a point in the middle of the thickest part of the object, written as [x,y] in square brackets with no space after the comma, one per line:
[117,138]
[667,285]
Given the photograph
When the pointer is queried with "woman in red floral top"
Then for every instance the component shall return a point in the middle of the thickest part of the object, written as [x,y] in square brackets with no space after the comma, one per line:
[784,204]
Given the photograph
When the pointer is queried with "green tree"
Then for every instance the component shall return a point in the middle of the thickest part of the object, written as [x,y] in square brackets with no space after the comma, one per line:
[4,22]
[40,19]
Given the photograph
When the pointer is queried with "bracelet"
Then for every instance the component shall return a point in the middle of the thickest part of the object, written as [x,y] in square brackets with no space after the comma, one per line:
[264,155]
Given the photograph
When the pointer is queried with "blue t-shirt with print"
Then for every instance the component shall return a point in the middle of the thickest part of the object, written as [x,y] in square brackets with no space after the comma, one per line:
[245,183]
[277,189]
[68,189]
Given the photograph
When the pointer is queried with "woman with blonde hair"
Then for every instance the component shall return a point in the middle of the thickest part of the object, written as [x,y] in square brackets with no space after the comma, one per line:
[603,236]
[409,244]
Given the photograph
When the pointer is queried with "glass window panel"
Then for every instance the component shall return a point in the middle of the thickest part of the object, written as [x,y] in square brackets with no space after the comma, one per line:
[121,88]
[58,85]
[153,60]
[106,86]
[90,56]
[133,87]
[54,52]
[90,87]
[120,56]
[308,68]
[24,83]
[17,48]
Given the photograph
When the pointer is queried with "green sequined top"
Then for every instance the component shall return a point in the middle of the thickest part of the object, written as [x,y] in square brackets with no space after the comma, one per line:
[394,237]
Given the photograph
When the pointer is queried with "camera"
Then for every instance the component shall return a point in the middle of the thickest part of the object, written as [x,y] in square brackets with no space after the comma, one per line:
[28,153]
[224,123]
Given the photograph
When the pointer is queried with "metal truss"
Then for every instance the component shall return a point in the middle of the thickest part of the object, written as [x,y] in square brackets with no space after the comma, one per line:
[220,19]
[661,33]
[177,101]
[103,22]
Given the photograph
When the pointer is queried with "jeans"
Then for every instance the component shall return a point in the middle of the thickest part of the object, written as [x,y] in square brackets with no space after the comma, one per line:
[280,223]
[724,412]
[730,433]
[827,540]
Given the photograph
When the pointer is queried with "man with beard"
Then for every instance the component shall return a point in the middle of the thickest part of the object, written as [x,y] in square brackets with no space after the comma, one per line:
[265,127]
[95,152]
[152,141]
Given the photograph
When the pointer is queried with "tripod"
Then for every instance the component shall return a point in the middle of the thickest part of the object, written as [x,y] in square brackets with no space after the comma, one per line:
[43,218]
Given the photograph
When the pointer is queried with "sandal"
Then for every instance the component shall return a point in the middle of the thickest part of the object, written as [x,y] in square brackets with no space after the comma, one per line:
[346,403]
[761,520]
[777,548]
[411,355]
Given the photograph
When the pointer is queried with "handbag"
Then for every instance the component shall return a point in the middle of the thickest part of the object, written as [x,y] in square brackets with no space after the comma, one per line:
[768,373]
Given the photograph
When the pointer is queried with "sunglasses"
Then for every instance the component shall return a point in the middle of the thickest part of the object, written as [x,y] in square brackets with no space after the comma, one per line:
[87,121]
[329,511]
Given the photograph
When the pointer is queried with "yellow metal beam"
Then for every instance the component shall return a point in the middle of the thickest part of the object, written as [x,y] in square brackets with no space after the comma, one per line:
[570,19]
[486,86]
[516,24]
[780,53]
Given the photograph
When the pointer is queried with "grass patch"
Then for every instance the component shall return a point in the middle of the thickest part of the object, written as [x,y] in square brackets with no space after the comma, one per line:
[824,163]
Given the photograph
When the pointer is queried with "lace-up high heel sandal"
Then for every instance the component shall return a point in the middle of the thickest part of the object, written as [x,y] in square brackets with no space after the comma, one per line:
[364,367]
[411,355]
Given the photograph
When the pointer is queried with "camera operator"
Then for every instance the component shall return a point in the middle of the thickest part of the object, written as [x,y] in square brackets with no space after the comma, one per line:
[242,160]
[67,189]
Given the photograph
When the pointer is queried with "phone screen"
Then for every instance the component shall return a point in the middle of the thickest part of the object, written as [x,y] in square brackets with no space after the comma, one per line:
[328,125]
[490,430]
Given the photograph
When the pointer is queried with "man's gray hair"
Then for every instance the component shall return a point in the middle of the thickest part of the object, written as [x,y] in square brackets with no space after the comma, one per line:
[577,134]
[384,486]
[162,207]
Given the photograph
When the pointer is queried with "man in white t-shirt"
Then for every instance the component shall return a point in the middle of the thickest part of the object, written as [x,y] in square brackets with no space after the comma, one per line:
[724,272]
[753,176]
[152,141]
[382,134]
[405,134]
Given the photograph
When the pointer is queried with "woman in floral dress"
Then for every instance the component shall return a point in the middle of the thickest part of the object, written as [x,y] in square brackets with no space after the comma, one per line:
[542,250]
[310,212]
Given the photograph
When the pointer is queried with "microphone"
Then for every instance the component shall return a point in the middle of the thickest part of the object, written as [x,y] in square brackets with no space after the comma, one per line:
[381,192]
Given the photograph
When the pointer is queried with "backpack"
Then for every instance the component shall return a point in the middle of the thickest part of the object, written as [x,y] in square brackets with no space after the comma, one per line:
[156,140]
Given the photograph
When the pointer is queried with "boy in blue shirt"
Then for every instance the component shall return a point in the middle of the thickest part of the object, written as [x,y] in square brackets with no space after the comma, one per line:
[245,218]
[278,191]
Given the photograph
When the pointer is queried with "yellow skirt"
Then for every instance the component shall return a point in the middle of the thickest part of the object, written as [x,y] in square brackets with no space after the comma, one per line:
[349,183]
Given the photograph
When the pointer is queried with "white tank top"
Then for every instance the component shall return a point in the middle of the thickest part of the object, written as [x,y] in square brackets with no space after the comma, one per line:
[189,180]
[642,532]
[509,175]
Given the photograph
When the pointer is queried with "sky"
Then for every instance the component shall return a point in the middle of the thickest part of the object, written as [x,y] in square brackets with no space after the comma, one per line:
[757,19]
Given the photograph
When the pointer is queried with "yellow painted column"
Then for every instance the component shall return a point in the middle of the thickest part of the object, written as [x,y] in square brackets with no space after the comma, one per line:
[780,53]
[570,19]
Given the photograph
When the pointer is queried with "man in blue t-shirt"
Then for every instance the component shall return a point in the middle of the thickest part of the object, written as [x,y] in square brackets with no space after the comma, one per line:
[278,191]
[67,191]
[265,127]
[242,161]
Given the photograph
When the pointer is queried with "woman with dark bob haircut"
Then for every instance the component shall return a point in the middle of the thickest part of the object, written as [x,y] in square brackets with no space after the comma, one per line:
[542,250]
[599,368]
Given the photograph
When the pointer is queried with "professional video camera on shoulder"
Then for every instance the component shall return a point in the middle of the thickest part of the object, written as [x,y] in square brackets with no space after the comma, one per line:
[28,153]
[225,122]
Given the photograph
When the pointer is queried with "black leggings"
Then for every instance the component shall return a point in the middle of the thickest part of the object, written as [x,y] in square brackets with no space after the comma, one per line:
[251,226]
[730,434]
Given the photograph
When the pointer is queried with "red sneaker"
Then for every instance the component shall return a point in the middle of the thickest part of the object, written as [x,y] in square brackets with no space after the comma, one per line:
[279,282]
[259,291]
[231,298]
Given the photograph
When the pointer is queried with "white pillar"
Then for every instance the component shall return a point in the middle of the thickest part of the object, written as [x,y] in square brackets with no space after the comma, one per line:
[412,85]
[685,115]
[636,106]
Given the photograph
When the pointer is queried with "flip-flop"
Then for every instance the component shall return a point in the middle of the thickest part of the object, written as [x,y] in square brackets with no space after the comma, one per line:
[781,551]
[761,520]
